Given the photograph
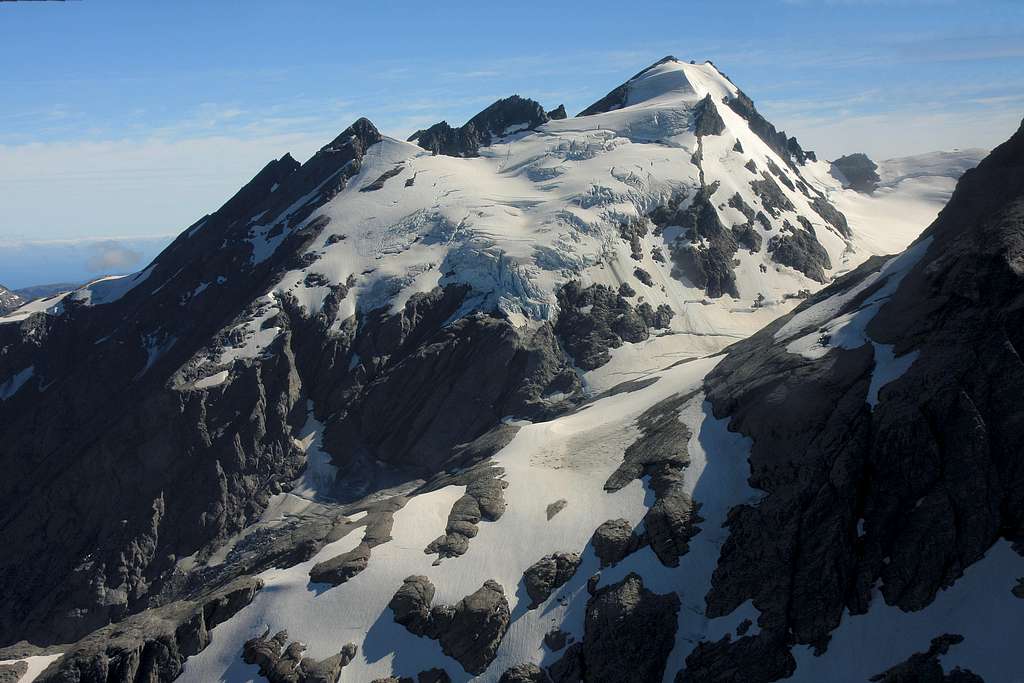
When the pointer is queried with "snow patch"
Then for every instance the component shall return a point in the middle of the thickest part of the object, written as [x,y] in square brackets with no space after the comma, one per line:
[13,384]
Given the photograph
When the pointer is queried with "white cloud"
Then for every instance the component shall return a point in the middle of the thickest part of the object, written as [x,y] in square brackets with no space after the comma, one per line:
[110,256]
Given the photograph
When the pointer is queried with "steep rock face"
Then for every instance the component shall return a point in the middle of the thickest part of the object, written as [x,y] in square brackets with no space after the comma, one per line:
[628,632]
[183,468]
[786,147]
[800,250]
[595,319]
[504,117]
[154,645]
[885,419]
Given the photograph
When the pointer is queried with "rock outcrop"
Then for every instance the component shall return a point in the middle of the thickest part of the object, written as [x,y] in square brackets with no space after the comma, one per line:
[484,500]
[703,252]
[628,633]
[525,673]
[504,117]
[593,320]
[613,540]
[548,574]
[857,172]
[926,667]
[281,662]
[469,631]
[152,646]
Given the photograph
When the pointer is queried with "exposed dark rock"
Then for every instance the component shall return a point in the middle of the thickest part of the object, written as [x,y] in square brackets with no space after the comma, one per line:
[504,116]
[800,250]
[613,540]
[926,667]
[555,639]
[751,166]
[659,319]
[470,631]
[418,367]
[433,676]
[593,320]
[772,198]
[643,276]
[703,252]
[738,147]
[556,507]
[787,148]
[751,659]
[778,173]
[548,574]
[383,178]
[569,668]
[626,291]
[736,202]
[905,494]
[484,500]
[525,673]
[340,568]
[631,232]
[280,662]
[661,454]
[154,645]
[707,120]
[558,113]
[831,215]
[747,237]
[118,438]
[12,673]
[628,632]
[858,172]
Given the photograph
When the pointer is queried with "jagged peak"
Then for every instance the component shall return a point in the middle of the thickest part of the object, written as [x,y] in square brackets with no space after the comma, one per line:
[362,130]
[503,117]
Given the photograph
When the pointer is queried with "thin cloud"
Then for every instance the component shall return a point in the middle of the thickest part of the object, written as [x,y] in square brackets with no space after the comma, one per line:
[112,257]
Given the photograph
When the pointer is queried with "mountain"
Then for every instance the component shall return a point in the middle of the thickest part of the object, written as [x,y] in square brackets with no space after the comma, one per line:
[47,290]
[466,405]
[9,300]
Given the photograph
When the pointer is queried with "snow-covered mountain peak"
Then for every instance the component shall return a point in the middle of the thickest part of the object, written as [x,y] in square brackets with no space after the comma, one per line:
[667,82]
[672,193]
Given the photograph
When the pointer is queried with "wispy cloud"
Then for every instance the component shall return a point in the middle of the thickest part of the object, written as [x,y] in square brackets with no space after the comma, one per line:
[110,256]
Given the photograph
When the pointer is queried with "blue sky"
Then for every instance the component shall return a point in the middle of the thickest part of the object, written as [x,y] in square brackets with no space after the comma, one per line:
[132,119]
